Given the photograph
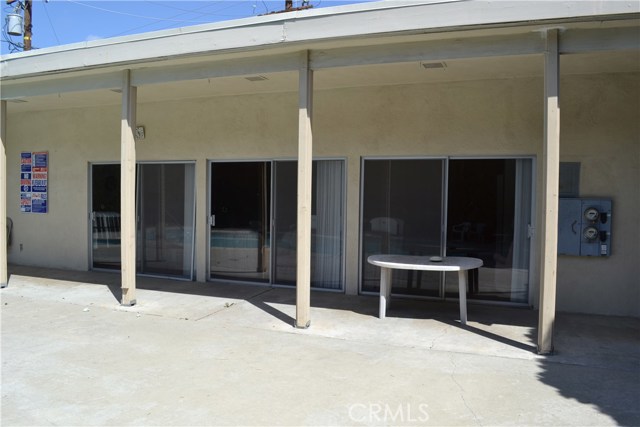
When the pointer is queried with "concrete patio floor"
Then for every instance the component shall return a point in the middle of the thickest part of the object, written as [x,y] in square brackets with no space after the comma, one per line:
[223,354]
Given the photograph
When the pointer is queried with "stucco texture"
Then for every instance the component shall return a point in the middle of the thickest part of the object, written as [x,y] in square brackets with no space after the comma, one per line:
[599,129]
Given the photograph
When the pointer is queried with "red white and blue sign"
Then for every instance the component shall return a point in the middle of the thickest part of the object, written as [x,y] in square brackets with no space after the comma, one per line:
[34,181]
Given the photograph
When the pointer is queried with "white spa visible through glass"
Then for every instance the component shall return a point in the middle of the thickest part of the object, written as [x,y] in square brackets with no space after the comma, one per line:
[165,211]
[253,222]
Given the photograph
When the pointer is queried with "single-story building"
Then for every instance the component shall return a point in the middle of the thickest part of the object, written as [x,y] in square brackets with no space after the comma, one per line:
[285,149]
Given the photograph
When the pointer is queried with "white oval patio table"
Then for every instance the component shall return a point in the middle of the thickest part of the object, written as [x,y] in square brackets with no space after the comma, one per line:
[413,262]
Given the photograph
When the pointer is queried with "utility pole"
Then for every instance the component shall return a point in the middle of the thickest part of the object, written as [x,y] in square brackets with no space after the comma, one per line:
[27,6]
[27,24]
[288,7]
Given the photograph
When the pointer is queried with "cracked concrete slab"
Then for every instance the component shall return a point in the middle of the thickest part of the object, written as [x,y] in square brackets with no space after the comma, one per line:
[243,363]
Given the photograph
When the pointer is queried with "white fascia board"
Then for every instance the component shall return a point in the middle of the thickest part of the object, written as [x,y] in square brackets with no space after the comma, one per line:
[389,17]
[138,51]
[450,16]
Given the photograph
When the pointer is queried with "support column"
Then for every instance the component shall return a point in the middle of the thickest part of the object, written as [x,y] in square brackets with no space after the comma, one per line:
[202,227]
[4,275]
[128,191]
[551,172]
[305,165]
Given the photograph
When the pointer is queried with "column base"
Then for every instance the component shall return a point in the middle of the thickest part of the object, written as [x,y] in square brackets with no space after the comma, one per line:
[306,326]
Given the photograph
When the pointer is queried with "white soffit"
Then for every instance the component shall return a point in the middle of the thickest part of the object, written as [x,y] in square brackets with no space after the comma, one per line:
[463,45]
[390,32]
[460,70]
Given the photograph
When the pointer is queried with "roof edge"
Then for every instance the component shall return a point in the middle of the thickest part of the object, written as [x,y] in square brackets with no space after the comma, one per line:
[309,26]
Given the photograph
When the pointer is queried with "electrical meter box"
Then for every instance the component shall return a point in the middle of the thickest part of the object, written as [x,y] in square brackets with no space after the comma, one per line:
[584,227]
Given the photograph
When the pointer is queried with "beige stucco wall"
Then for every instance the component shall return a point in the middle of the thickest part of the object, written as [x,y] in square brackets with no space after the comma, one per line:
[456,119]
[72,137]
[485,118]
[601,129]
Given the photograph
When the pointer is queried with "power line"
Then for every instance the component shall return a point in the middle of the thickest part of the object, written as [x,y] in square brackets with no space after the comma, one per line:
[51,22]
[197,10]
[154,23]
[160,3]
[200,15]
[13,46]
[265,6]
[132,14]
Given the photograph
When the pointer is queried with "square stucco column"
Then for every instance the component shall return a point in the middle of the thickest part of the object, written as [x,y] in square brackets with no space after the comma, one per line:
[551,170]
[128,191]
[305,164]
[4,275]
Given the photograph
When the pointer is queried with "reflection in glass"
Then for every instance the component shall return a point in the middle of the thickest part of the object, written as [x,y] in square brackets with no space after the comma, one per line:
[165,209]
[240,231]
[105,216]
[488,216]
[402,214]
[166,199]
[326,223]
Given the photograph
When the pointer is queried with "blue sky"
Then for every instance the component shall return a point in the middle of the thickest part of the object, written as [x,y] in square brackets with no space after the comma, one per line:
[59,22]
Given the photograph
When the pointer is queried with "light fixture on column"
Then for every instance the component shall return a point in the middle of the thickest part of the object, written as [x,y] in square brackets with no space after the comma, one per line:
[139,133]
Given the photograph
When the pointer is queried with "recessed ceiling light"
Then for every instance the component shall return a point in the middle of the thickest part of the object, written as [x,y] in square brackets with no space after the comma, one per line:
[433,65]
[256,78]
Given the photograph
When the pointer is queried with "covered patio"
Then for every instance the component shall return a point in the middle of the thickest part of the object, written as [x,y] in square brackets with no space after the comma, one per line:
[214,354]
[426,324]
[408,48]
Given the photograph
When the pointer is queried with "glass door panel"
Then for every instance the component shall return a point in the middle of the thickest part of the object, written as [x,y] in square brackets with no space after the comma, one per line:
[240,221]
[286,223]
[402,214]
[166,209]
[105,216]
[489,211]
[327,221]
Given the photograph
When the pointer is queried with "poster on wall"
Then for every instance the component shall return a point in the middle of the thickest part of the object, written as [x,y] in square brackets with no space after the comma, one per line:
[34,181]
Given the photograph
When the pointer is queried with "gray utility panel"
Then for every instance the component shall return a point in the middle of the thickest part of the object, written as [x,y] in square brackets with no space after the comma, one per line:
[584,227]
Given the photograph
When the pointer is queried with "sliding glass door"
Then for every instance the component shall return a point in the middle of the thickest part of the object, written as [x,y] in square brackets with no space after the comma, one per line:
[402,214]
[488,205]
[489,213]
[240,221]
[253,222]
[327,220]
[165,218]
[105,216]
[166,215]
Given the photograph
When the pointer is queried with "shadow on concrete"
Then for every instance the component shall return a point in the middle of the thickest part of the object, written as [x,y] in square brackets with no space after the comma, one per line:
[259,303]
[266,298]
[501,339]
[597,361]
[610,348]
[263,297]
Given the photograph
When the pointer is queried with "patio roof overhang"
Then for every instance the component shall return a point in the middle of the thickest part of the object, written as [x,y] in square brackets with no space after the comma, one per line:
[372,34]
[377,43]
